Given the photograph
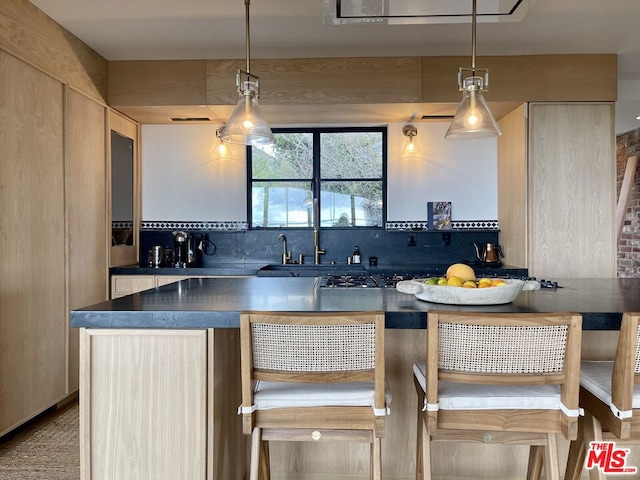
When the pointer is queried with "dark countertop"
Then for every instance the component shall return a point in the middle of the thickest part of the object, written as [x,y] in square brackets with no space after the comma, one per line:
[307,269]
[217,303]
[222,269]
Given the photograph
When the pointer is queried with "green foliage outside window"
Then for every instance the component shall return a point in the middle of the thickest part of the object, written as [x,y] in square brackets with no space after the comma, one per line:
[342,169]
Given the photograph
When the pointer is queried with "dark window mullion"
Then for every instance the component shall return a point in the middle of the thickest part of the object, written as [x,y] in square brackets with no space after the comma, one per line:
[372,179]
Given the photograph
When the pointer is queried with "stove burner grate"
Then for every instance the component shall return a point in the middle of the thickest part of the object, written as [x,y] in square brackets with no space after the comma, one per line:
[389,280]
[347,281]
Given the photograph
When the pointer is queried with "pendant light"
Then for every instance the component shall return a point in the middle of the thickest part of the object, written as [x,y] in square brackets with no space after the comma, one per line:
[247,125]
[473,119]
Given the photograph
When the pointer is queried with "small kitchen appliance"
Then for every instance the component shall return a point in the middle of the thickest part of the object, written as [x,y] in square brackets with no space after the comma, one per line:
[489,253]
[180,249]
[155,256]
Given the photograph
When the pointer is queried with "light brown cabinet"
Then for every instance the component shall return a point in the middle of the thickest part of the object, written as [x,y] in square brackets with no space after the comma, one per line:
[85,164]
[162,404]
[123,194]
[557,194]
[33,320]
[52,192]
[122,285]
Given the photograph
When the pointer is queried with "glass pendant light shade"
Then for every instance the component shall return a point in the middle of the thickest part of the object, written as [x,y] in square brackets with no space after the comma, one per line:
[247,125]
[473,119]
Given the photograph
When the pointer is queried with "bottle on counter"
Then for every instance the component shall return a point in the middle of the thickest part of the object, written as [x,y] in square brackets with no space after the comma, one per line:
[355,258]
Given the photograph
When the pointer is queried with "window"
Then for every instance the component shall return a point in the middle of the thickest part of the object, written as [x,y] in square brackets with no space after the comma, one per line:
[335,174]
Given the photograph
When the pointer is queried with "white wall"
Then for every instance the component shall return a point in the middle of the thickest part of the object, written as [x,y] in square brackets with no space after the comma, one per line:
[184,177]
[464,173]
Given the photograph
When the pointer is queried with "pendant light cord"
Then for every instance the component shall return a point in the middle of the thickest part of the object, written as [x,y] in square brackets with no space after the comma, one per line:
[248,39]
[473,39]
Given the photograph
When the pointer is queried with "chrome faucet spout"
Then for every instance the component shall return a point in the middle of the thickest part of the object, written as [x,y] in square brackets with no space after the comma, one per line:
[286,256]
[317,251]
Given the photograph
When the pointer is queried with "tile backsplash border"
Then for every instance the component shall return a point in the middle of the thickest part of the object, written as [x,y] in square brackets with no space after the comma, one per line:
[161,225]
[403,225]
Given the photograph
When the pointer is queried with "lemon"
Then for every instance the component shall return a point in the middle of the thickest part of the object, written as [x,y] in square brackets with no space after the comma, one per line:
[460,270]
[442,281]
[455,282]
[484,280]
[469,284]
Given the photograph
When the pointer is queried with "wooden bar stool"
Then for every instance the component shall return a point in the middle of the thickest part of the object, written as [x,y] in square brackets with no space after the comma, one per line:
[499,378]
[610,397]
[313,377]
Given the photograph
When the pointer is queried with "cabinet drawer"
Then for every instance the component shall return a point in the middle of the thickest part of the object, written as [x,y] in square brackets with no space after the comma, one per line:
[122,285]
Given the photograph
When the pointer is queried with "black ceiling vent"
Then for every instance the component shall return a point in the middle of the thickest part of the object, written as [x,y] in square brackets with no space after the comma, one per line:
[436,117]
[190,119]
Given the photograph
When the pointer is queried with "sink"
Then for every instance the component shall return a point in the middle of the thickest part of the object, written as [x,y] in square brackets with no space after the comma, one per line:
[297,270]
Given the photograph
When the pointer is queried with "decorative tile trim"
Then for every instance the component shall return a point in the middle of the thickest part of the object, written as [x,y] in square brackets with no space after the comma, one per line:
[476,225]
[199,225]
[455,225]
[406,225]
[242,226]
[121,225]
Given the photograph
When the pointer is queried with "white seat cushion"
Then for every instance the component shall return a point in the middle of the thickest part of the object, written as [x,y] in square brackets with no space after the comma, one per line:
[268,395]
[596,377]
[462,396]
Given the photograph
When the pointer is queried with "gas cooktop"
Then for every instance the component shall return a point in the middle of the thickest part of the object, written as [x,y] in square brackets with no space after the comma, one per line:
[365,280]
[389,280]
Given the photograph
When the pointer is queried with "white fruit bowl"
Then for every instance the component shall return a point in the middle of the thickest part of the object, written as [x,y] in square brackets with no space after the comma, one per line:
[466,296]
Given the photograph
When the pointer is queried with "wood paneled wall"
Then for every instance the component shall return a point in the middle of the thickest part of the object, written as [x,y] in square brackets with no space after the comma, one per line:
[572,192]
[85,192]
[33,320]
[512,187]
[529,78]
[30,35]
[306,90]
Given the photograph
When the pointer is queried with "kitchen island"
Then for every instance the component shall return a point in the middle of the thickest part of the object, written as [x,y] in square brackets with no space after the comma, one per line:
[160,376]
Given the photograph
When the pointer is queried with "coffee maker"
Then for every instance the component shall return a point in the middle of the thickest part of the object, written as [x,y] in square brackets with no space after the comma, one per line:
[180,249]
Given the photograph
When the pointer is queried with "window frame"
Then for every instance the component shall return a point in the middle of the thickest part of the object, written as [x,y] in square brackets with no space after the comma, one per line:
[317,179]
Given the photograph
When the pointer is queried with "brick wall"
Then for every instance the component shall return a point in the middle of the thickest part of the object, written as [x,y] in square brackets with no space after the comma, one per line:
[627,145]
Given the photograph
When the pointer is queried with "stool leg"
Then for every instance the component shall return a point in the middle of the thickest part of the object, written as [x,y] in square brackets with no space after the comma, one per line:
[593,433]
[419,444]
[551,468]
[536,461]
[375,458]
[254,469]
[265,464]
[426,449]
[577,454]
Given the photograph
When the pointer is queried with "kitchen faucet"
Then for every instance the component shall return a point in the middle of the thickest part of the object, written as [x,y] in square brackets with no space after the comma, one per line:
[286,256]
[317,251]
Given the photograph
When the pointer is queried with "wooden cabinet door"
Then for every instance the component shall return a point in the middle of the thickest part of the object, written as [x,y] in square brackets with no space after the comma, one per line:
[33,319]
[143,395]
[86,212]
[571,190]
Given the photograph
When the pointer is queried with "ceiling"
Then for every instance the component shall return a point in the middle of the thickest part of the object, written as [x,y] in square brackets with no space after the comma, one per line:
[206,29]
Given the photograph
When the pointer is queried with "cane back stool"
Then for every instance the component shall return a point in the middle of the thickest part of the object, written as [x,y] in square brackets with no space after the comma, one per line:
[610,397]
[499,378]
[313,377]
